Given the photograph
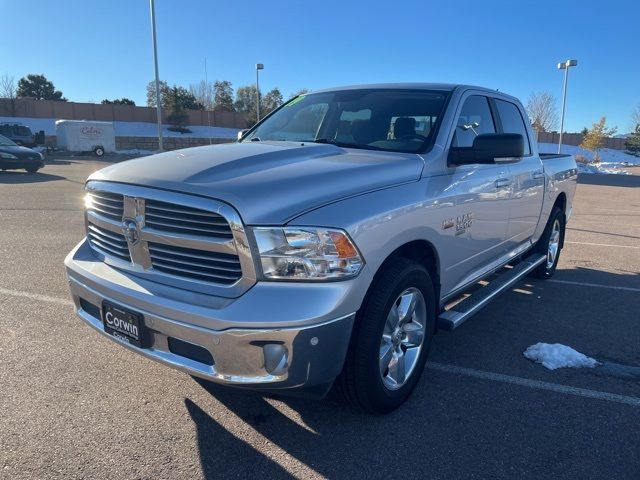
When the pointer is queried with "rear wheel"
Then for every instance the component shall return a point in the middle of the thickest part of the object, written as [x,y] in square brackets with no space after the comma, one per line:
[32,169]
[550,245]
[98,151]
[391,339]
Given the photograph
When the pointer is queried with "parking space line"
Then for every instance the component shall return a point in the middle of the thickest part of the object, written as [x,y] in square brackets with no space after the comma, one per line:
[535,384]
[596,285]
[35,296]
[602,244]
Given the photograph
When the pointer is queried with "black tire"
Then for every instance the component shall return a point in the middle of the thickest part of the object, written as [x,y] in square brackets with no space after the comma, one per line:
[98,151]
[360,384]
[546,270]
[32,169]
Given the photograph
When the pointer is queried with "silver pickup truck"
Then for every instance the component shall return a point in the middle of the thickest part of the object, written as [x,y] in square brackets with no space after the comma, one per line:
[327,246]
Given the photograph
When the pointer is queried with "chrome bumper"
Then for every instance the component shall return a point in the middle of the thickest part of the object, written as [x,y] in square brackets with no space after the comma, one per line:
[293,353]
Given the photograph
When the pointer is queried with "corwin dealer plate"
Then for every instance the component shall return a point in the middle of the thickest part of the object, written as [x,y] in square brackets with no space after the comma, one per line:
[124,324]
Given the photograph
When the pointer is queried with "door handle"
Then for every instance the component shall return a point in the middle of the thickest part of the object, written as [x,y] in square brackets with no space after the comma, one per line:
[538,174]
[502,182]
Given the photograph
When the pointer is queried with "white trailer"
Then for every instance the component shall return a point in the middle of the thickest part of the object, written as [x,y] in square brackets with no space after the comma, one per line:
[86,136]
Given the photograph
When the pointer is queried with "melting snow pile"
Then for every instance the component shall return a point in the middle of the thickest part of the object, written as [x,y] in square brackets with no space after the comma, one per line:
[612,161]
[556,355]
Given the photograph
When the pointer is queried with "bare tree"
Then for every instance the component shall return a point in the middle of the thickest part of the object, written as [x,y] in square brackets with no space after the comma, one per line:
[542,111]
[8,90]
[204,93]
[635,117]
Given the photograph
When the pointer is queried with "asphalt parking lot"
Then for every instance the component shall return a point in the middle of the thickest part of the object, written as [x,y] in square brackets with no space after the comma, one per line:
[73,405]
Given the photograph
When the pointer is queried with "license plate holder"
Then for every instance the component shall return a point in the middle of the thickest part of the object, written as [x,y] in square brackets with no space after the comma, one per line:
[124,324]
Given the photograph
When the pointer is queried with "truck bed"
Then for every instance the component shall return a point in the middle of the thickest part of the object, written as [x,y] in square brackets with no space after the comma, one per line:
[551,156]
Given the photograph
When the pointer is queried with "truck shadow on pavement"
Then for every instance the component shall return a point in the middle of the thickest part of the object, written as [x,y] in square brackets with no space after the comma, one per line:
[254,435]
[631,181]
[16,178]
[318,434]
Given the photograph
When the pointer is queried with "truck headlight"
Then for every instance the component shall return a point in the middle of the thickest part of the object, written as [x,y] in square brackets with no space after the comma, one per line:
[306,253]
[7,155]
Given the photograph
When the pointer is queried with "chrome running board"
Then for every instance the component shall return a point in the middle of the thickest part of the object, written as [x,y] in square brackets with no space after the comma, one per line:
[460,312]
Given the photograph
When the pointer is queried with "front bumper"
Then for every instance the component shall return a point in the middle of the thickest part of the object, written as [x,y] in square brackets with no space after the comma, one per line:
[11,163]
[276,336]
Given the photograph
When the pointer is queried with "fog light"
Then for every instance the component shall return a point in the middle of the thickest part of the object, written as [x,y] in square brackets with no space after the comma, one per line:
[275,358]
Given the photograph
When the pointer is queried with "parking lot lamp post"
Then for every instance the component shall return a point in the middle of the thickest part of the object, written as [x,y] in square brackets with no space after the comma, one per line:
[564,66]
[259,66]
[155,61]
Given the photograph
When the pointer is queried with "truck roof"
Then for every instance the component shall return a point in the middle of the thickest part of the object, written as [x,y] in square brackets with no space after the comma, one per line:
[445,87]
[413,86]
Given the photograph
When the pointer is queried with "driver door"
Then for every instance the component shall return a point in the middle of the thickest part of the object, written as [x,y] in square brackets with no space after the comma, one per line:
[480,195]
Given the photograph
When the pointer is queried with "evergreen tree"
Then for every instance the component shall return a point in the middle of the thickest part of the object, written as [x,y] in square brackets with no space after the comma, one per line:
[270,102]
[38,87]
[632,145]
[223,96]
[246,103]
[595,137]
[177,116]
[118,101]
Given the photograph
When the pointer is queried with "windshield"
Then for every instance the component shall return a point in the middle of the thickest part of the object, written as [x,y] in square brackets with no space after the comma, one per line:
[5,142]
[376,119]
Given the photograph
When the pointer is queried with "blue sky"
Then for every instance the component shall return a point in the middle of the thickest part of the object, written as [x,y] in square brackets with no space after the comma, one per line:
[93,50]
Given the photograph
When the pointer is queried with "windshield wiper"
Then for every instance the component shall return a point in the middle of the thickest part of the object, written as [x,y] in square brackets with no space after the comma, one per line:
[345,145]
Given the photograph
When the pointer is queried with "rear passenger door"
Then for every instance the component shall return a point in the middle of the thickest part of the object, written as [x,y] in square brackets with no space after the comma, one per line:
[527,179]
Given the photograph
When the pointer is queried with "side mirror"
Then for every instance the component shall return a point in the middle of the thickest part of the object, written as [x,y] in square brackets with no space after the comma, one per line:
[241,133]
[489,148]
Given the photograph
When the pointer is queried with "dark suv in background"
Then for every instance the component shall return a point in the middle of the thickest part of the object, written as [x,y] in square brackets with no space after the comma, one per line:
[21,134]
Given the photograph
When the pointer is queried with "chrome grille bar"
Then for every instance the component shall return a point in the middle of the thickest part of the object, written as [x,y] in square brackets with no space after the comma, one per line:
[170,217]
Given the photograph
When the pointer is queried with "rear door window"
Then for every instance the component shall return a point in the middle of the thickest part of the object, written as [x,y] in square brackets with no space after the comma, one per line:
[512,121]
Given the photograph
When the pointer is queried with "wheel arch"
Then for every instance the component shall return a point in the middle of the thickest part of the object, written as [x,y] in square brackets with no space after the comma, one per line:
[561,203]
[420,251]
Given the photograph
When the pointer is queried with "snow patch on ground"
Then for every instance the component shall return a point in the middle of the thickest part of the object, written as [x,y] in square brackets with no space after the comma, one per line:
[136,151]
[130,129]
[556,355]
[612,161]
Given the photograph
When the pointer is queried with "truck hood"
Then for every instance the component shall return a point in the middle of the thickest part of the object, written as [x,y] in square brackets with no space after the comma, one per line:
[268,182]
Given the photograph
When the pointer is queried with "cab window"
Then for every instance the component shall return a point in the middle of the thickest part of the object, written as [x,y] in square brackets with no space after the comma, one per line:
[475,119]
[512,121]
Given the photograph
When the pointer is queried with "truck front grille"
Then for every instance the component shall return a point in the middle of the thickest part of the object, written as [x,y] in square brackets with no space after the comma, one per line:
[108,242]
[179,218]
[169,237]
[107,204]
[198,264]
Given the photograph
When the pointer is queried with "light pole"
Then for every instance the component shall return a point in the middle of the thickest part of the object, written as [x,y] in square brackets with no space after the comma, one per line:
[155,61]
[564,66]
[259,66]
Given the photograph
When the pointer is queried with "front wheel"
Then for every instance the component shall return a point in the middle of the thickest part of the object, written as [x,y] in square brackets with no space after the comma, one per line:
[98,151]
[391,339]
[550,244]
[32,169]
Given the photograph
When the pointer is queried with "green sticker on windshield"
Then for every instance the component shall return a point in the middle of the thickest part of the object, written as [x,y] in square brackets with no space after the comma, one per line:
[295,100]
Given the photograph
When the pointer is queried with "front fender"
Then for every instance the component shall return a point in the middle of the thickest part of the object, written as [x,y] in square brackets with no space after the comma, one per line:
[380,222]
